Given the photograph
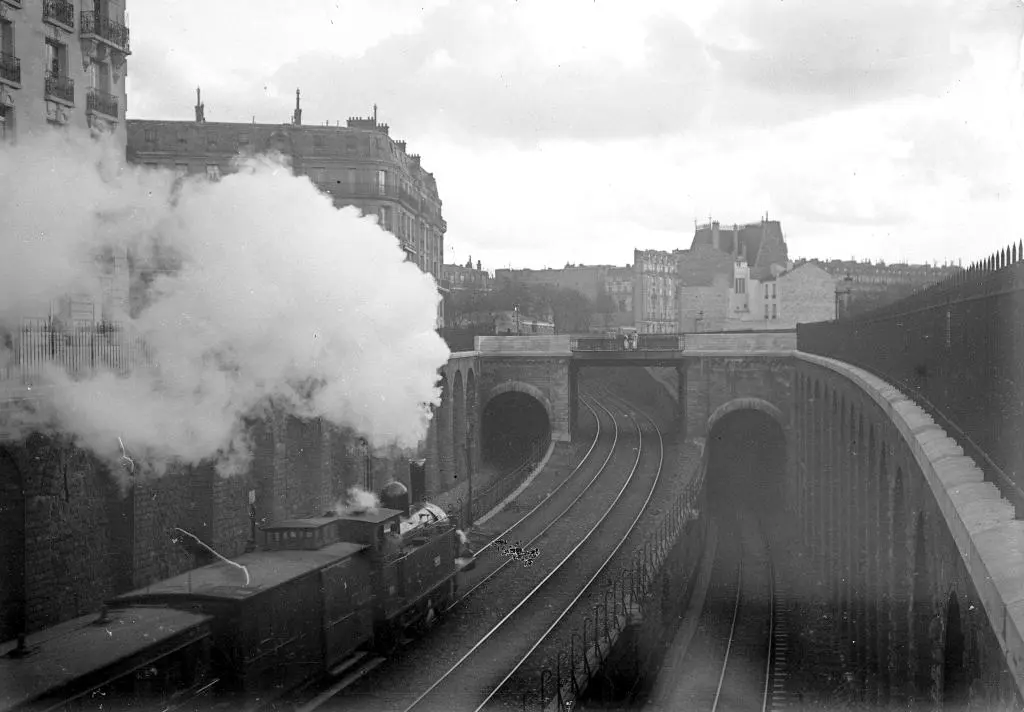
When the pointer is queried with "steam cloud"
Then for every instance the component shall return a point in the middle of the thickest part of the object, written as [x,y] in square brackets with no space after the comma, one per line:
[357,500]
[269,296]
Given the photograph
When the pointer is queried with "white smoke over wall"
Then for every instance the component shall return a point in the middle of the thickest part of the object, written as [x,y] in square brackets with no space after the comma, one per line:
[278,298]
[358,500]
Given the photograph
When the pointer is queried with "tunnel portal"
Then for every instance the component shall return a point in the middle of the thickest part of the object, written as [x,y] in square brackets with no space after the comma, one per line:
[747,461]
[514,424]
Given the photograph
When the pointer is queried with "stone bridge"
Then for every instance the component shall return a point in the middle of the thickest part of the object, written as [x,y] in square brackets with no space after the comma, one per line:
[922,558]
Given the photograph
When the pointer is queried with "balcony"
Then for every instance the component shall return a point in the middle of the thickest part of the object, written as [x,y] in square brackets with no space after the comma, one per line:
[60,88]
[101,102]
[97,27]
[60,12]
[10,69]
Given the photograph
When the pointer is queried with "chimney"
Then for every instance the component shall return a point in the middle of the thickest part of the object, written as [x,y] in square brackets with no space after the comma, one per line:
[200,115]
[478,267]
[297,116]
[714,236]
[735,240]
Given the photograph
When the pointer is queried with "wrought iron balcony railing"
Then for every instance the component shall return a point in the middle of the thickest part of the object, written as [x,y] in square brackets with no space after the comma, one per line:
[101,102]
[60,11]
[10,68]
[60,87]
[110,31]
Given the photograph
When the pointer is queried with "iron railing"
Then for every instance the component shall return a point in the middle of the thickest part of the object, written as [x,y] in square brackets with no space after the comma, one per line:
[505,484]
[633,589]
[79,348]
[110,31]
[60,87]
[60,11]
[10,68]
[955,348]
[644,342]
[101,102]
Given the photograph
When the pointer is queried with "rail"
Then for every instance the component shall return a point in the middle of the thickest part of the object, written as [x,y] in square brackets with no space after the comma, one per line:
[643,342]
[79,348]
[954,348]
[633,589]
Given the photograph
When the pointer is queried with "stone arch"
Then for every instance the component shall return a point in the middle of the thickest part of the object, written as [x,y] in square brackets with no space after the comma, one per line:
[458,427]
[900,588]
[521,387]
[12,548]
[747,404]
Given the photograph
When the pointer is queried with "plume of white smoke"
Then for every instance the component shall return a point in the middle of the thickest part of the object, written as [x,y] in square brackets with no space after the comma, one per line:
[273,297]
[357,501]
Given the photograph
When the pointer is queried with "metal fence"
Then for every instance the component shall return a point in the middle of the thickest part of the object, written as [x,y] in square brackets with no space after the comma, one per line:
[503,485]
[79,348]
[957,349]
[633,589]
[643,342]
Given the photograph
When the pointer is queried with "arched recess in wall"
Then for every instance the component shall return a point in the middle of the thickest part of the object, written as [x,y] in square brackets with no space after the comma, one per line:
[473,420]
[954,672]
[459,427]
[12,548]
[520,387]
[900,566]
[921,613]
[443,430]
[746,404]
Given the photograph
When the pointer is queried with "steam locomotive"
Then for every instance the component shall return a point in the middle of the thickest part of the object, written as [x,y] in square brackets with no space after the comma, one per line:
[319,594]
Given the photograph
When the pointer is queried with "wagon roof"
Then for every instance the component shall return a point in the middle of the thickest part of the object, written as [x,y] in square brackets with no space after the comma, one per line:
[63,656]
[267,569]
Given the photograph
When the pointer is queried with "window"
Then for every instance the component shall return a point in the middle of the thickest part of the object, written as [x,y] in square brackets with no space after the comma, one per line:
[7,37]
[775,311]
[150,135]
[381,181]
[56,59]
[741,286]
[352,178]
[766,290]
[99,76]
[6,123]
[773,290]
[213,172]
[766,312]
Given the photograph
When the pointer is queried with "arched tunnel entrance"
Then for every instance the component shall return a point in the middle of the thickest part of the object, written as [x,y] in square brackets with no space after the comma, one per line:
[514,426]
[746,464]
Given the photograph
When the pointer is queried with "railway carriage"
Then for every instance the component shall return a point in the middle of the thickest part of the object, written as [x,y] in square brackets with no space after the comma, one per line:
[317,591]
[146,658]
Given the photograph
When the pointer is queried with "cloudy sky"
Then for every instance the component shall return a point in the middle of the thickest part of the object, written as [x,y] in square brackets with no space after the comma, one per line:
[576,130]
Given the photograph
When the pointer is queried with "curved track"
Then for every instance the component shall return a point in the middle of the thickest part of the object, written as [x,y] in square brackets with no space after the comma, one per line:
[606,451]
[484,669]
[730,668]
[509,689]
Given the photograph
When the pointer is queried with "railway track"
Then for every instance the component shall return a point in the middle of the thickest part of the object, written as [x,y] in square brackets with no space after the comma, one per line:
[473,680]
[548,524]
[730,664]
[524,675]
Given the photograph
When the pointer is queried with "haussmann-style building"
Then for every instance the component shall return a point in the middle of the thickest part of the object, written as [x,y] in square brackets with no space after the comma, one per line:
[358,164]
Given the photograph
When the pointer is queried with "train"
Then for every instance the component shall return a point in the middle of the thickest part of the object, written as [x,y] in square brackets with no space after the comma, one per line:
[318,595]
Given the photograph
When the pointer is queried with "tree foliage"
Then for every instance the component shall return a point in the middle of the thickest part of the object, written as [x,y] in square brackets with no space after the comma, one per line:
[570,310]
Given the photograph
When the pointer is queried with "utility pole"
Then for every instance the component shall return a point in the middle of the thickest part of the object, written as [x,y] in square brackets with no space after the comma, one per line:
[368,473]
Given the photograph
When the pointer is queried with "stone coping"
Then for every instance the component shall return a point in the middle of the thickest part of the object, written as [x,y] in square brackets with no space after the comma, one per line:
[981,521]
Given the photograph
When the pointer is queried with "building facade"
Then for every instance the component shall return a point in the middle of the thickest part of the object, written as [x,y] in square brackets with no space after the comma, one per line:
[655,309]
[358,164]
[466,277]
[62,63]
[587,280]
[62,66]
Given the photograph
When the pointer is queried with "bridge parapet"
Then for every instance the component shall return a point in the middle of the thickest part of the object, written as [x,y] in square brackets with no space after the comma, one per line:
[546,345]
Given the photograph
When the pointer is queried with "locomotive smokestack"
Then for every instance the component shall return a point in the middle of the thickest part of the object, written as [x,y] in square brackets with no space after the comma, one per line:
[395,496]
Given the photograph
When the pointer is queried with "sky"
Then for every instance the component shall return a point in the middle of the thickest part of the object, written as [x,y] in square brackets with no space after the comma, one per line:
[578,130]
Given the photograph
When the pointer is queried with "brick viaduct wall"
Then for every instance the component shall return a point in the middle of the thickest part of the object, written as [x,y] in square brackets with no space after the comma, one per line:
[544,377]
[714,385]
[879,490]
